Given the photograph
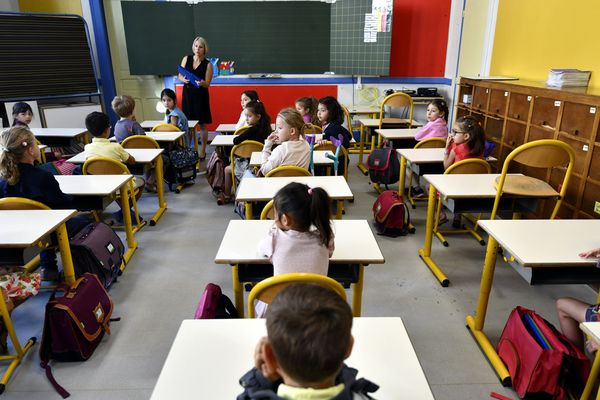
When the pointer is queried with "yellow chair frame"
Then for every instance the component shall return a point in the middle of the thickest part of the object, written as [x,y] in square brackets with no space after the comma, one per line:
[288,170]
[430,143]
[344,153]
[140,142]
[394,100]
[109,166]
[267,289]
[267,211]
[164,127]
[545,153]
[312,129]
[467,166]
[241,130]
[242,150]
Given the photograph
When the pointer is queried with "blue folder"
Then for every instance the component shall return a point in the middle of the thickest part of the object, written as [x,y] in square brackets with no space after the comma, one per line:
[537,334]
[188,75]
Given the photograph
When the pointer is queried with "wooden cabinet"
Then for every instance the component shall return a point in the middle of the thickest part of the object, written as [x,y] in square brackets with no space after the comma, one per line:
[517,112]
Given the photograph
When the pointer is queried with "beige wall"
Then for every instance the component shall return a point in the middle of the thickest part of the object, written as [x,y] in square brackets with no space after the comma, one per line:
[473,37]
[51,6]
[145,89]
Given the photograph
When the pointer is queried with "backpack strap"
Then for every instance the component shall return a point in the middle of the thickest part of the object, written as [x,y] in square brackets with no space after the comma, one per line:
[228,306]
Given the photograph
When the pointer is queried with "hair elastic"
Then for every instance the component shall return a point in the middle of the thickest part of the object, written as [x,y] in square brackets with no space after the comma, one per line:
[310,191]
[4,149]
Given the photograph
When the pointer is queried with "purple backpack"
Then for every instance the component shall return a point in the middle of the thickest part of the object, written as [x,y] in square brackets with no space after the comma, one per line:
[215,305]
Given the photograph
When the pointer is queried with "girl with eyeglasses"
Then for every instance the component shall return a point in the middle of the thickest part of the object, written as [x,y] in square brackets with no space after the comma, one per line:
[466,140]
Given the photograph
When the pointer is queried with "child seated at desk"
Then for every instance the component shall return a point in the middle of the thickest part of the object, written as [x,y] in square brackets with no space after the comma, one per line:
[572,312]
[98,125]
[22,114]
[331,117]
[127,126]
[247,97]
[174,115]
[307,107]
[293,363]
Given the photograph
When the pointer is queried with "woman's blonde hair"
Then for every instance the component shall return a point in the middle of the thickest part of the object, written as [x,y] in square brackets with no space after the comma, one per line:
[203,41]
[14,142]
[293,118]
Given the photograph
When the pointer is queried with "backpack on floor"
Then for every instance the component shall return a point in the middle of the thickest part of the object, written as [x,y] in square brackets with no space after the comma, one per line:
[74,323]
[215,305]
[182,166]
[97,249]
[390,214]
[384,166]
[541,361]
[215,172]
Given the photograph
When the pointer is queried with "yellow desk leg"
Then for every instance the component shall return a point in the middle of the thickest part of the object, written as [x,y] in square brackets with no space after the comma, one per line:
[425,252]
[476,323]
[248,210]
[238,296]
[340,209]
[361,152]
[65,254]
[591,382]
[357,292]
[160,188]
[131,242]
[402,176]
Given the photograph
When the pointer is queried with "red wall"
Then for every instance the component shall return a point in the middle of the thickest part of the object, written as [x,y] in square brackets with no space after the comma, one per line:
[225,99]
[419,38]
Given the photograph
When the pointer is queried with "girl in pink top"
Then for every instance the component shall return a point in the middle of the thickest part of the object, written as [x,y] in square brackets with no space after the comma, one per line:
[437,118]
[307,107]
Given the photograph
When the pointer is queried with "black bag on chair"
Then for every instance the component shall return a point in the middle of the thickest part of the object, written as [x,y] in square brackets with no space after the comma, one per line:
[182,166]
[384,166]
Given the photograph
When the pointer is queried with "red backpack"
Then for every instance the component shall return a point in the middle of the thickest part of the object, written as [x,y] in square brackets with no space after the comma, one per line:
[391,217]
[215,305]
[541,361]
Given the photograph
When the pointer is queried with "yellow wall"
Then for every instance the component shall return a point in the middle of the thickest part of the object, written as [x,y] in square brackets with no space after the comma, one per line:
[51,6]
[533,36]
[473,37]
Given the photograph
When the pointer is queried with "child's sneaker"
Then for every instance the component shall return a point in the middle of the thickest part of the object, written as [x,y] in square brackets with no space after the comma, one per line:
[417,192]
[240,209]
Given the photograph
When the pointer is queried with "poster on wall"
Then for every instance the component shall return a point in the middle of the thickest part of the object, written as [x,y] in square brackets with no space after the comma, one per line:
[370,34]
[382,10]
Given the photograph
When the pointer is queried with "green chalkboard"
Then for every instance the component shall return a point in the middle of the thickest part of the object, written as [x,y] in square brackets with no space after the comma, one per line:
[290,37]
[158,35]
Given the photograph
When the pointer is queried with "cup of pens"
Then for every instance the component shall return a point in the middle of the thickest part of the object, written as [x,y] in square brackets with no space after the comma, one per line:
[226,67]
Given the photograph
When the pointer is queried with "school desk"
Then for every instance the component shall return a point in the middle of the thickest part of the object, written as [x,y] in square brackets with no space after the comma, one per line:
[369,124]
[405,136]
[592,329]
[264,189]
[228,129]
[149,124]
[60,136]
[106,188]
[208,357]
[532,244]
[22,229]
[143,156]
[354,244]
[320,158]
[461,194]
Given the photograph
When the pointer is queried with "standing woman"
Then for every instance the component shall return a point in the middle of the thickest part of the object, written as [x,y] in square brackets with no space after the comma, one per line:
[195,102]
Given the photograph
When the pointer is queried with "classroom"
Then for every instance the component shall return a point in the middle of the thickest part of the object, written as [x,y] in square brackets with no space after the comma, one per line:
[429,306]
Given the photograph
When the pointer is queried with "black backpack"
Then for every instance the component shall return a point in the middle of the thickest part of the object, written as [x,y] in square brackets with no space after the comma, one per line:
[384,166]
[181,167]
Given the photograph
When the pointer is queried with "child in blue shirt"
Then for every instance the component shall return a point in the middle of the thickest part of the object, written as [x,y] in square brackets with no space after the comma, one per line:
[174,115]
[127,125]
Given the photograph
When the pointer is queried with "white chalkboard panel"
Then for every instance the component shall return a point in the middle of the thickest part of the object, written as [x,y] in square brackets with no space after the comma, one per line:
[67,116]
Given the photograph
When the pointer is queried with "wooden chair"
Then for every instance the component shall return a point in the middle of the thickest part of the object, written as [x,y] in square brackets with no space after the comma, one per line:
[109,166]
[267,289]
[468,166]
[241,130]
[394,101]
[288,170]
[311,129]
[42,152]
[343,154]
[242,150]
[546,154]
[267,211]
[140,142]
[164,127]
[431,143]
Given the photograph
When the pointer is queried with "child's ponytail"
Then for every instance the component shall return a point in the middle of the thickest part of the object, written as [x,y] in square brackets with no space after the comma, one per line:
[320,206]
[473,127]
[258,108]
[13,144]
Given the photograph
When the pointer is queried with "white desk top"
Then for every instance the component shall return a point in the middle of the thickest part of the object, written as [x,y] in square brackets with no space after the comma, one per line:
[91,185]
[23,228]
[58,132]
[354,242]
[259,189]
[208,357]
[592,329]
[141,156]
[320,158]
[422,156]
[464,185]
[546,242]
[165,136]
[229,128]
[374,122]
[397,133]
[363,109]
[42,146]
[149,124]
[222,140]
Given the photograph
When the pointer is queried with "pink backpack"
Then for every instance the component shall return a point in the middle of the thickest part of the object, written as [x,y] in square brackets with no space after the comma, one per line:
[215,172]
[215,305]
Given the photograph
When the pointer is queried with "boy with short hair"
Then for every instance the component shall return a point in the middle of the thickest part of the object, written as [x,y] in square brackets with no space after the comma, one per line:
[127,125]
[308,328]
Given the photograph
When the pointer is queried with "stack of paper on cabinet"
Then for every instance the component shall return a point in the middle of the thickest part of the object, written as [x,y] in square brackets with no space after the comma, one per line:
[568,77]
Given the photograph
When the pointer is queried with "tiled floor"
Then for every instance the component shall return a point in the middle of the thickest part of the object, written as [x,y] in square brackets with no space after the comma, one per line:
[166,276]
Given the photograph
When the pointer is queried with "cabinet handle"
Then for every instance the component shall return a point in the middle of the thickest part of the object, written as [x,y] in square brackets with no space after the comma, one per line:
[478,105]
[517,116]
[512,142]
[544,123]
[576,132]
[497,110]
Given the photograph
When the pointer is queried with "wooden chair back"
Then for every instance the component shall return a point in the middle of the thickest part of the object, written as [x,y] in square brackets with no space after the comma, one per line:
[245,149]
[267,211]
[396,100]
[267,289]
[140,142]
[347,118]
[431,143]
[288,170]
[165,128]
[469,166]
[241,130]
[328,146]
[21,203]
[311,129]
[104,166]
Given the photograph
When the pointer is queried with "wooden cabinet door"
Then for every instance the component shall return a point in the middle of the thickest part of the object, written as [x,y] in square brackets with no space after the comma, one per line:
[498,101]
[518,106]
[591,194]
[493,127]
[465,94]
[537,133]
[480,98]
[594,171]
[545,112]
[581,150]
[578,120]
[514,134]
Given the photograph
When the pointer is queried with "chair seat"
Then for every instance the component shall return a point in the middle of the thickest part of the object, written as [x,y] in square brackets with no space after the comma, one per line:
[398,121]
[521,185]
